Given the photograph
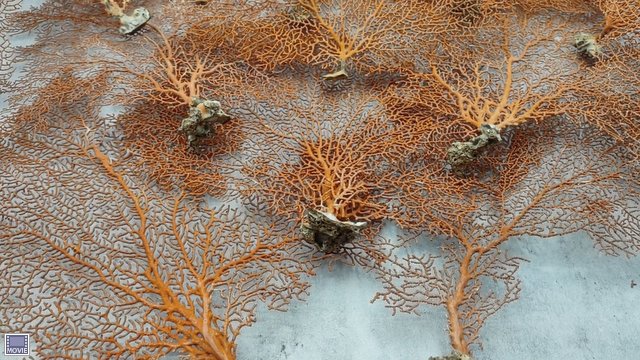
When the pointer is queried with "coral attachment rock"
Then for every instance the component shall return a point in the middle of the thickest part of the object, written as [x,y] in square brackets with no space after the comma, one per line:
[341,73]
[587,46]
[204,115]
[129,23]
[461,153]
[327,232]
[299,14]
[454,356]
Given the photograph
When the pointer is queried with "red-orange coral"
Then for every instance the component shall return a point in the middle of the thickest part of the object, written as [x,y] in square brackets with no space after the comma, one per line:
[330,153]
[340,112]
[557,195]
[102,264]
[371,35]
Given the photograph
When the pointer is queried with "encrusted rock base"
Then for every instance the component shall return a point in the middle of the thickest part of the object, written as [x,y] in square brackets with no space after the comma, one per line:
[327,232]
[133,22]
[454,356]
[462,153]
[204,115]
[587,46]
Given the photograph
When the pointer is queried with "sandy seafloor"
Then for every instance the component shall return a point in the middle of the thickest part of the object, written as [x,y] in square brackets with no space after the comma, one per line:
[576,303]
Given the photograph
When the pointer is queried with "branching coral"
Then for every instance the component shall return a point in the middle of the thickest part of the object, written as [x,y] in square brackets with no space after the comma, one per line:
[370,34]
[122,269]
[556,196]
[177,72]
[109,143]
[329,154]
[145,78]
[620,17]
[610,100]
[7,7]
[510,85]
